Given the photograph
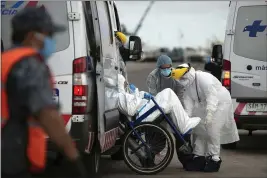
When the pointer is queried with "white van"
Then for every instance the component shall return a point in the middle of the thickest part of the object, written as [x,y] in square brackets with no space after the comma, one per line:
[86,56]
[244,62]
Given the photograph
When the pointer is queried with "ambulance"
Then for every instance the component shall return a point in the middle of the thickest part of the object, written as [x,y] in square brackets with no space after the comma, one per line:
[86,56]
[244,62]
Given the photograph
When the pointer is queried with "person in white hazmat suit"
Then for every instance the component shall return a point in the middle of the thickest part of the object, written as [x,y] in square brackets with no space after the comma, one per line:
[205,97]
[121,48]
[130,102]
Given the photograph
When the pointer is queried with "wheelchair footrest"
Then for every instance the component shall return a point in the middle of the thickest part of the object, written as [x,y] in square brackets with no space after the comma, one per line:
[185,148]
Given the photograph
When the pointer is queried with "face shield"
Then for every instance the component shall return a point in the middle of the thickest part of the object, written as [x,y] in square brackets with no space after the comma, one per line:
[123,45]
[179,74]
[121,37]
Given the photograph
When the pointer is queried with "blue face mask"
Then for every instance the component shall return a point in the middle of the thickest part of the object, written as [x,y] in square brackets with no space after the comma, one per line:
[165,72]
[49,47]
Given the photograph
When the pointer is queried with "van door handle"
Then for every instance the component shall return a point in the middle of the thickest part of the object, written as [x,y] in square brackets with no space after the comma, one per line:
[116,68]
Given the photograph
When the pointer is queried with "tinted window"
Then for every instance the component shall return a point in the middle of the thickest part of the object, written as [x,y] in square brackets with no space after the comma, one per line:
[117,18]
[10,8]
[89,23]
[251,33]
[105,21]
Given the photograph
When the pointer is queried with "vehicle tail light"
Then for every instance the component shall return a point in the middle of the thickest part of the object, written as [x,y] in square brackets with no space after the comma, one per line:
[80,65]
[80,87]
[226,74]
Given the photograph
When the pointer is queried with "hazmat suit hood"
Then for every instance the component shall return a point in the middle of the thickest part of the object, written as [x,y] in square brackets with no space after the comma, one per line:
[188,78]
[163,59]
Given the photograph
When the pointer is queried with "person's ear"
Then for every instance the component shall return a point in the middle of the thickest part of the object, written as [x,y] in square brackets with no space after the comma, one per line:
[29,37]
[38,39]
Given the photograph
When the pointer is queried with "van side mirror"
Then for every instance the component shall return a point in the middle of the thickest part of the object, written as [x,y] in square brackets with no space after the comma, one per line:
[135,48]
[217,54]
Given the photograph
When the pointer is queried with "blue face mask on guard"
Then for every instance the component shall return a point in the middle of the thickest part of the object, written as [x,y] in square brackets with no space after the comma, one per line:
[165,72]
[49,47]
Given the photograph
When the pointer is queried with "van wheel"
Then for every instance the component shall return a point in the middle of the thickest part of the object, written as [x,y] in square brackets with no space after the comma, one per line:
[230,146]
[92,160]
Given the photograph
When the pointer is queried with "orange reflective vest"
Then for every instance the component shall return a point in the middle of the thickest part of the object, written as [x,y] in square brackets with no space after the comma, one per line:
[36,148]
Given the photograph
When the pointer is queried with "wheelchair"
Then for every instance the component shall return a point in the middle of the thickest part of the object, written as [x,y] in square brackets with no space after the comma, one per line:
[144,143]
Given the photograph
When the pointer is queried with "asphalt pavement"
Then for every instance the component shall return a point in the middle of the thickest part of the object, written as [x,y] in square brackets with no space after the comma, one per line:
[248,160]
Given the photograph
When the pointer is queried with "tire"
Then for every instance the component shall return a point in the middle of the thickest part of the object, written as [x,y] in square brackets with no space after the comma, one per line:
[230,146]
[166,161]
[92,160]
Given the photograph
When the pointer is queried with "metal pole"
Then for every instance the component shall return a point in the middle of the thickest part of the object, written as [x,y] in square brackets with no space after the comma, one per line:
[143,17]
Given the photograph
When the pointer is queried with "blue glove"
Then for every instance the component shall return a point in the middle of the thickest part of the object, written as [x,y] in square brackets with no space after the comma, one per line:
[147,96]
[132,87]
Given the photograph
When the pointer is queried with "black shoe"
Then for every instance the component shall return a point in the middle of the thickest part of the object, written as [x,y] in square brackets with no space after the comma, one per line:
[212,166]
[185,158]
[196,164]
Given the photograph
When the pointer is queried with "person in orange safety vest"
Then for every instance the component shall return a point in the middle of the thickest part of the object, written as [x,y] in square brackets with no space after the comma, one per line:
[28,113]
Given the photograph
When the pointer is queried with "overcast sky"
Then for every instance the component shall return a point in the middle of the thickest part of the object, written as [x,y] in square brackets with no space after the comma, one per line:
[197,20]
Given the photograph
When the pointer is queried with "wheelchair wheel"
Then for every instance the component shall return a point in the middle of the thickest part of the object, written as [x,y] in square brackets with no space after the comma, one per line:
[152,155]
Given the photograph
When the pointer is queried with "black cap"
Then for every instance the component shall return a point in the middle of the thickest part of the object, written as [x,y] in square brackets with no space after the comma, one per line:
[35,19]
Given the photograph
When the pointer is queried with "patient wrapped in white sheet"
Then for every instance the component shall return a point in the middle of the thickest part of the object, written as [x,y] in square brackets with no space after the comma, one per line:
[130,102]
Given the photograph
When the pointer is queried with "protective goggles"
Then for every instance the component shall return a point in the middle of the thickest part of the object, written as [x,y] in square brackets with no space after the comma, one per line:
[179,72]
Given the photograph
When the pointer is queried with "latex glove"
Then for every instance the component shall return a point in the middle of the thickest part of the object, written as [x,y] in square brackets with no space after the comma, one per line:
[208,119]
[132,87]
[147,96]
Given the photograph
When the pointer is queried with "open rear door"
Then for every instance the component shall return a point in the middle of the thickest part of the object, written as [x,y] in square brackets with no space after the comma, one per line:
[107,77]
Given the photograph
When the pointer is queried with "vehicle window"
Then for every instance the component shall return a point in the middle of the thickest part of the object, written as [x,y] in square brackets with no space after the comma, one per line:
[89,23]
[105,21]
[10,8]
[251,33]
[117,18]
[114,25]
